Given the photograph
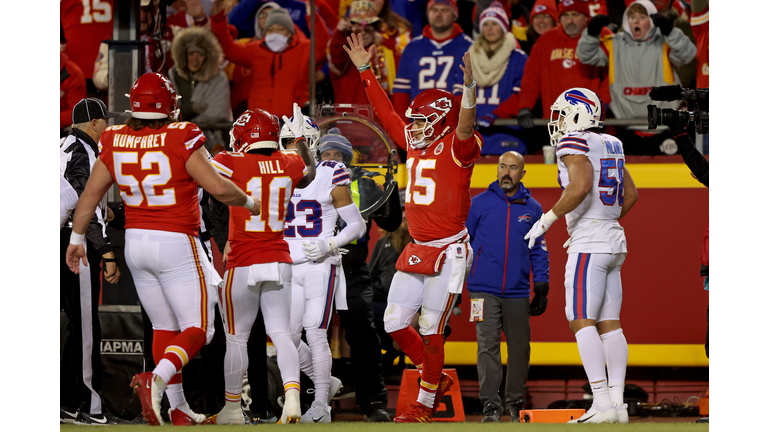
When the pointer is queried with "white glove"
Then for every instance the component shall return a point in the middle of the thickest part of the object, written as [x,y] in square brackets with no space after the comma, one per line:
[316,249]
[295,123]
[540,227]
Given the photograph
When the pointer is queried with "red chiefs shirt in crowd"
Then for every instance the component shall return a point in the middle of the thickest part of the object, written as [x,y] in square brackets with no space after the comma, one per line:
[86,23]
[71,89]
[553,68]
[700,27]
[149,166]
[272,179]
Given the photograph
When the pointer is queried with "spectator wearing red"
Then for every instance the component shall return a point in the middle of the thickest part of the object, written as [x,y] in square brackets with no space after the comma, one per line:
[240,76]
[157,53]
[347,86]
[553,66]
[71,89]
[279,62]
[189,13]
[84,28]
[700,26]
[543,18]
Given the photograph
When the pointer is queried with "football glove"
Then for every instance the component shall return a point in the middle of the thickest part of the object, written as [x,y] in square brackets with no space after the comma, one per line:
[539,302]
[525,118]
[316,249]
[295,123]
[540,227]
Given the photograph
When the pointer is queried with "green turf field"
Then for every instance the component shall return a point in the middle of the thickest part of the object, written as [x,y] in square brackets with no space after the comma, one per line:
[442,427]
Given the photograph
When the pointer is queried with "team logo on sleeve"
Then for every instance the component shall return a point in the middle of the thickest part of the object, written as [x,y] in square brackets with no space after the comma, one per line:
[413,260]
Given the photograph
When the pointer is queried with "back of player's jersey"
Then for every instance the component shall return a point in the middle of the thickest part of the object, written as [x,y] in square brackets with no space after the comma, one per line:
[606,154]
[149,166]
[272,179]
[311,213]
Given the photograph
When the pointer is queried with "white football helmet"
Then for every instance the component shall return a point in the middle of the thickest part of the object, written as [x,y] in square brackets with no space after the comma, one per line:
[574,110]
[311,134]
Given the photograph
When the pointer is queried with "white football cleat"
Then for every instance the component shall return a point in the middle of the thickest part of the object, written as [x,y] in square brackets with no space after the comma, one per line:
[594,415]
[228,417]
[622,413]
[334,388]
[317,413]
[291,407]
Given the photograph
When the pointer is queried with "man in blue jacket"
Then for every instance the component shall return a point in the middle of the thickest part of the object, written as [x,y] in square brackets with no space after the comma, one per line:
[499,284]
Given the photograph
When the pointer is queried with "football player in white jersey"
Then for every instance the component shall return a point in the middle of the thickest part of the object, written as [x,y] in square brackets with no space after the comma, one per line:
[317,272]
[597,192]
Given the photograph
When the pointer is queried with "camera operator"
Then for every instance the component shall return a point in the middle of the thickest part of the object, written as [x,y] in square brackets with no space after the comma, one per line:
[699,167]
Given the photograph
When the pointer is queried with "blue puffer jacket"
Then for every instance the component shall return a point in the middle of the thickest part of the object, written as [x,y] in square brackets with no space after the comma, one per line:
[503,262]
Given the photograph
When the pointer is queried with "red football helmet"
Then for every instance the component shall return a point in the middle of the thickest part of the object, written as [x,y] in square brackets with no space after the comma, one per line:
[154,97]
[254,129]
[440,110]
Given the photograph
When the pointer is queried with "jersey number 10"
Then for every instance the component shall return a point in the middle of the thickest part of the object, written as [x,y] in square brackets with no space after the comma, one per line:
[274,204]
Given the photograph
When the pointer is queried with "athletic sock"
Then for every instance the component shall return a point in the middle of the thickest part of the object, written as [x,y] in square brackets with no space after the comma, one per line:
[434,357]
[411,343]
[321,363]
[593,359]
[180,349]
[616,357]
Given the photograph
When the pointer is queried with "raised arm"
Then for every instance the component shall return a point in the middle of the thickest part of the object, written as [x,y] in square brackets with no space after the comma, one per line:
[381,104]
[466,127]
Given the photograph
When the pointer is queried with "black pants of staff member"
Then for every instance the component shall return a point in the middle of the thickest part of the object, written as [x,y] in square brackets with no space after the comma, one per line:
[80,373]
[364,344]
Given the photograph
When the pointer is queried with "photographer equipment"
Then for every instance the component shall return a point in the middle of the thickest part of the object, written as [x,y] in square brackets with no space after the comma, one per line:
[698,99]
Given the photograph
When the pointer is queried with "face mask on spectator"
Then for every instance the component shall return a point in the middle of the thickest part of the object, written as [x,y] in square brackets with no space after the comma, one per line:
[276,42]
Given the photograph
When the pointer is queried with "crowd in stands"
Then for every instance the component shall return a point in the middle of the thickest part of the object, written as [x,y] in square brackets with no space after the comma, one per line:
[525,52]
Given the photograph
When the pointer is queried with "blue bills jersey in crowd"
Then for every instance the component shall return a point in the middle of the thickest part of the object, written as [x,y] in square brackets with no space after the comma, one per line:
[426,64]
[503,138]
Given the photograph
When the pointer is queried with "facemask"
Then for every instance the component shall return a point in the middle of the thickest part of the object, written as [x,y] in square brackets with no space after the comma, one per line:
[276,42]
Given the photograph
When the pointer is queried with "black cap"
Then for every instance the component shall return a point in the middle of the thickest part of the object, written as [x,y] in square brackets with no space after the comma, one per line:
[90,109]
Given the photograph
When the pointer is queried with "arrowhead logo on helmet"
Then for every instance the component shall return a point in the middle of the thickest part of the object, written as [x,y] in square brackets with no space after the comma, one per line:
[439,113]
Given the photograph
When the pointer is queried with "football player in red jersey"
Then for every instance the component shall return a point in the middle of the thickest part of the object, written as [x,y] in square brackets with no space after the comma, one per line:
[157,164]
[442,146]
[259,261]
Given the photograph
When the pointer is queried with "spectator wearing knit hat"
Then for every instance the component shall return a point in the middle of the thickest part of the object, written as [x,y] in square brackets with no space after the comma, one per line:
[279,62]
[497,66]
[646,54]
[420,68]
[517,11]
[543,18]
[554,67]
